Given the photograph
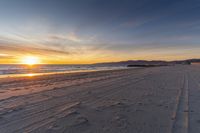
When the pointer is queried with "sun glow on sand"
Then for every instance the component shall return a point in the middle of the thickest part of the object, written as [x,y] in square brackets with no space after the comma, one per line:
[30,60]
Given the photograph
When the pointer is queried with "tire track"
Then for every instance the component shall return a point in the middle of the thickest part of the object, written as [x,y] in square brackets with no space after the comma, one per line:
[181,115]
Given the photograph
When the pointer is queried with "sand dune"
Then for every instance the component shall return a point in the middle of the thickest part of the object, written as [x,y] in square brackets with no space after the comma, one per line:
[143,100]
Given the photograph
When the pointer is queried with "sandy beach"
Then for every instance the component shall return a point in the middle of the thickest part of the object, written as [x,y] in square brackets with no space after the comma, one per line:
[142,100]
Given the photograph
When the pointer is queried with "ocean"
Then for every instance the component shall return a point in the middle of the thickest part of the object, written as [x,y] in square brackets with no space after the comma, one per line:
[11,70]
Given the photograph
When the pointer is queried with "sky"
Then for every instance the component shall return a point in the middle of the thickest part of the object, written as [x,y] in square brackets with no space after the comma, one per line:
[91,31]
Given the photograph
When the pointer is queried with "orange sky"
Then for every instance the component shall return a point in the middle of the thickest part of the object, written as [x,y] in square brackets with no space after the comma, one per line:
[89,56]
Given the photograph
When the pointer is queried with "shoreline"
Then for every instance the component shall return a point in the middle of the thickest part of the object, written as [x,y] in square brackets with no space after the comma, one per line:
[67,79]
[55,73]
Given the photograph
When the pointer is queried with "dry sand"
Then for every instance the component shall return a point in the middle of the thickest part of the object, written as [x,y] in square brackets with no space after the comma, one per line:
[143,100]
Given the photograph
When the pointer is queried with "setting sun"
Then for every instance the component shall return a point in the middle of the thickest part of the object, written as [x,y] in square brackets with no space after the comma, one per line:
[30,60]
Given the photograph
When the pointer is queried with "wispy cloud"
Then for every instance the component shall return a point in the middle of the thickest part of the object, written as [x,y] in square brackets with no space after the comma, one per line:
[72,37]
[4,55]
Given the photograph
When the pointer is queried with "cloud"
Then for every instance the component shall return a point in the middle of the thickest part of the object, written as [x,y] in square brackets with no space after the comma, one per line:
[55,47]
[72,37]
[3,55]
[28,49]
[6,56]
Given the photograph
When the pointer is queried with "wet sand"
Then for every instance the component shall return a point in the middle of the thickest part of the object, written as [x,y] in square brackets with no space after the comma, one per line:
[142,100]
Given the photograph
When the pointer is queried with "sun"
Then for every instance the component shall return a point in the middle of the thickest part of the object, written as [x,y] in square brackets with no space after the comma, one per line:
[30,60]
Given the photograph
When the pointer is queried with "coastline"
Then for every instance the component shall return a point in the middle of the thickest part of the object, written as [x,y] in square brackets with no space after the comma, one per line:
[54,73]
[35,80]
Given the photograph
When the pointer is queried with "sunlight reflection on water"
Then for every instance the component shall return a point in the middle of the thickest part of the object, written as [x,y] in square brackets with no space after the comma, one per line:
[31,74]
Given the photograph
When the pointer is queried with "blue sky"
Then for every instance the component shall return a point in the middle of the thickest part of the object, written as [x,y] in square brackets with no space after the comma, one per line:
[88,31]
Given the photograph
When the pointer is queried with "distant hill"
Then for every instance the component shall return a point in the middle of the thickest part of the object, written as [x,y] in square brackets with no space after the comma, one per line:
[194,60]
[148,63]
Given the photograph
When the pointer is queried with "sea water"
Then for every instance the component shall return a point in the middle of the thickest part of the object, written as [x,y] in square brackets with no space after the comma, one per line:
[38,69]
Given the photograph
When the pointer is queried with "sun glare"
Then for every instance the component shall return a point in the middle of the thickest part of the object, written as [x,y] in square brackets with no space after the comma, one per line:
[30,60]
